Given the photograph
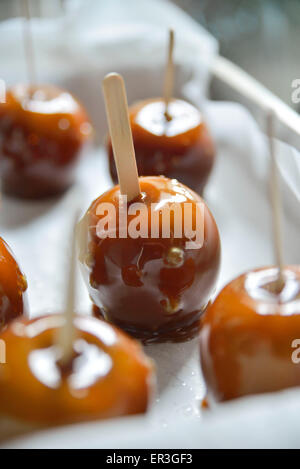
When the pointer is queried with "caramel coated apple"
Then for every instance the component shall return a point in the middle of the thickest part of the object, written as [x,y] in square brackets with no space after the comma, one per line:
[109,375]
[43,130]
[179,148]
[153,286]
[248,338]
[12,286]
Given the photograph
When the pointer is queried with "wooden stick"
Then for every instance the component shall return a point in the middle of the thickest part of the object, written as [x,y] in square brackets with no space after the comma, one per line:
[28,42]
[121,136]
[276,202]
[66,334]
[169,75]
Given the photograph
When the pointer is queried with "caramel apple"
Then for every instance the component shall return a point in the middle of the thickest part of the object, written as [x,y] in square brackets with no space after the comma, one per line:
[43,130]
[178,146]
[149,247]
[69,368]
[152,286]
[12,286]
[250,335]
[108,376]
[248,338]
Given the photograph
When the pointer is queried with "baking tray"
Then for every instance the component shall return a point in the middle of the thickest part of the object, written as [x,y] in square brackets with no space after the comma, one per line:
[237,195]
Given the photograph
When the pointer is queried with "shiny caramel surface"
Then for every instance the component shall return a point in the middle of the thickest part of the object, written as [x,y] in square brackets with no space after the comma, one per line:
[247,334]
[180,148]
[109,375]
[12,286]
[42,133]
[154,288]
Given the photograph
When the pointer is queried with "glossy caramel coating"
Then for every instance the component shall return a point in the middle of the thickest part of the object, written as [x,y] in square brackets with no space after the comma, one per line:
[43,130]
[247,333]
[109,376]
[180,148]
[12,286]
[154,288]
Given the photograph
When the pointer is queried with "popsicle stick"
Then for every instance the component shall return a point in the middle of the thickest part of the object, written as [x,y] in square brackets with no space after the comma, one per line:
[169,75]
[121,136]
[276,202]
[66,333]
[28,42]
